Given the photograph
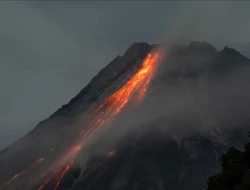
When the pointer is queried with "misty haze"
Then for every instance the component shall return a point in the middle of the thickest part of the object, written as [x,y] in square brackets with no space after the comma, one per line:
[125,95]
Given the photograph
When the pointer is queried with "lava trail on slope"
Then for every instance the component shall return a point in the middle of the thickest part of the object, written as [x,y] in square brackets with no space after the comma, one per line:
[33,164]
[103,115]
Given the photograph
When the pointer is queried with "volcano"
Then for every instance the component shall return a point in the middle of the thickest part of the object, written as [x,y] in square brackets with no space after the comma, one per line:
[157,117]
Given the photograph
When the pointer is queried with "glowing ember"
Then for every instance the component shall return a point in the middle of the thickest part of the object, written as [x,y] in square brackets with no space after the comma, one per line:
[107,111]
[111,153]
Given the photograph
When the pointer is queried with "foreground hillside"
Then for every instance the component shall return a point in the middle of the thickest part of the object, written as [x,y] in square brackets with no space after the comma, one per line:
[235,172]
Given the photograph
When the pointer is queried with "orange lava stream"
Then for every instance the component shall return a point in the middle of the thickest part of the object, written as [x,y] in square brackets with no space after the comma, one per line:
[63,174]
[107,111]
[116,102]
[24,171]
[15,177]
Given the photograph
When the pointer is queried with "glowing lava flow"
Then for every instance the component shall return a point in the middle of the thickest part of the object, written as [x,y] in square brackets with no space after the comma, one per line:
[137,84]
[24,171]
[66,169]
[15,177]
[107,111]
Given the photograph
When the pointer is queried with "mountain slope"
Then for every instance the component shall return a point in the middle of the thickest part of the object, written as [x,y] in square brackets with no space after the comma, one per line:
[235,174]
[48,134]
[105,78]
[167,149]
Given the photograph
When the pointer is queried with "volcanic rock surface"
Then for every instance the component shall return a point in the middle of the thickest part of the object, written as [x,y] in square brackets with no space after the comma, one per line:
[146,160]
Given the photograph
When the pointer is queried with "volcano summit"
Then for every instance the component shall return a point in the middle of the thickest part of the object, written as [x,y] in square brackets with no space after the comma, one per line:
[154,118]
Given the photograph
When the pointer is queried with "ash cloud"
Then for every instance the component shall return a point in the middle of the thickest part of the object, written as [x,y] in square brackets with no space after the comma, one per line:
[206,105]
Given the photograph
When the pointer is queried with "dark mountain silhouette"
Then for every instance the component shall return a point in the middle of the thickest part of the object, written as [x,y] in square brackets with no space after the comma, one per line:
[140,161]
[235,171]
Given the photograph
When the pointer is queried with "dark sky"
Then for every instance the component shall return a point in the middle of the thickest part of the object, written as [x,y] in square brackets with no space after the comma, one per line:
[50,51]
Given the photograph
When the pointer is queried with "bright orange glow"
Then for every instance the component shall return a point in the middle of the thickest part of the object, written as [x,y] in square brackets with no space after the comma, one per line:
[107,111]
[138,83]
